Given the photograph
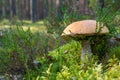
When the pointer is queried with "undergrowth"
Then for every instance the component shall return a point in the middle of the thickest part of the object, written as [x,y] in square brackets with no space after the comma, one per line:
[45,56]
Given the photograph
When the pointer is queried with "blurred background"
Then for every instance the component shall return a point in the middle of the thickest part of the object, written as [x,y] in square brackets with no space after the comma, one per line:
[35,10]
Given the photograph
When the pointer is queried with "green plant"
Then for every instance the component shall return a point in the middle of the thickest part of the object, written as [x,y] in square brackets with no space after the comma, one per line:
[106,16]
[20,48]
[73,68]
[17,48]
[115,51]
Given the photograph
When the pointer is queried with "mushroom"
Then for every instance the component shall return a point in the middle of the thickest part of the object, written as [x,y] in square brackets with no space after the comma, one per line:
[84,30]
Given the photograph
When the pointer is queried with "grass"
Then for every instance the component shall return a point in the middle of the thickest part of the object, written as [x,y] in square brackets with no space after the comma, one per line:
[34,27]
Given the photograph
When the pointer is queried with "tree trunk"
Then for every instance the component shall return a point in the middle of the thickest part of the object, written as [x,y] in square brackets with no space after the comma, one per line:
[28,9]
[12,8]
[41,9]
[46,8]
[3,8]
[23,9]
[33,10]
[17,8]
[101,4]
[59,8]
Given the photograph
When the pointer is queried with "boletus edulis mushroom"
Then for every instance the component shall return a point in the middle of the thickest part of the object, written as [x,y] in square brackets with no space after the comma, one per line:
[83,31]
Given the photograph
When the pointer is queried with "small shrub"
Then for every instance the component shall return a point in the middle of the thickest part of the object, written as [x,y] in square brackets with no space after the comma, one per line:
[20,48]
[115,51]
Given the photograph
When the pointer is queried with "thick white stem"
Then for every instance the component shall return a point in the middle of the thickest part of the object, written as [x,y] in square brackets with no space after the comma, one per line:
[86,50]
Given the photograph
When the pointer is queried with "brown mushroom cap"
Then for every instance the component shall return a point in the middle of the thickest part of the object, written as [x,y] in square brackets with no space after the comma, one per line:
[84,28]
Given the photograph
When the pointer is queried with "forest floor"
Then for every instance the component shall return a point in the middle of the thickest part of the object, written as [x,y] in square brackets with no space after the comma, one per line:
[34,27]
[55,62]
